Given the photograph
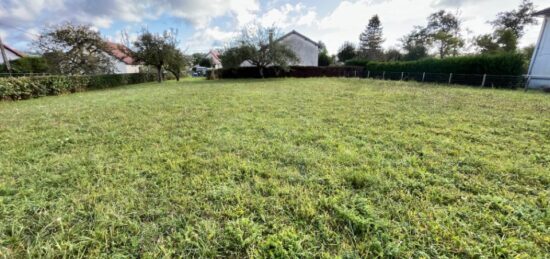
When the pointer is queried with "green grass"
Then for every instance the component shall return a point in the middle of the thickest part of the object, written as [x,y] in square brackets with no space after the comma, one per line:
[276,168]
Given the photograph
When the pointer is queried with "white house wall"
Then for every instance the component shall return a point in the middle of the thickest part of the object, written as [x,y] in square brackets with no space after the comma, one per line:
[540,67]
[307,52]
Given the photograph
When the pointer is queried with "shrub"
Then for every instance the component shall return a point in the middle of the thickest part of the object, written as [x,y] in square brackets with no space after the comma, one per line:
[271,72]
[20,88]
[498,64]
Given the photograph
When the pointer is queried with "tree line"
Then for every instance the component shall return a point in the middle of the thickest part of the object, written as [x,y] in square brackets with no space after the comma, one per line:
[442,36]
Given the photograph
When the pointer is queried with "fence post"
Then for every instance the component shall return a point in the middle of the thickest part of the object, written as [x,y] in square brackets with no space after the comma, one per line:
[450,78]
[355,73]
[402,74]
[423,77]
[368,74]
[384,75]
[484,79]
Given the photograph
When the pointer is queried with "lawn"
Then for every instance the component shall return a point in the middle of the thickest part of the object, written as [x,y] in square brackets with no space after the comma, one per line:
[277,168]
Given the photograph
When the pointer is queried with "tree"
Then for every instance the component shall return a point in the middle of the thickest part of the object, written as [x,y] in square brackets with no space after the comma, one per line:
[205,62]
[416,44]
[324,59]
[516,20]
[371,40]
[28,65]
[393,55]
[74,49]
[232,57]
[176,63]
[256,45]
[509,27]
[155,49]
[347,51]
[197,57]
[444,30]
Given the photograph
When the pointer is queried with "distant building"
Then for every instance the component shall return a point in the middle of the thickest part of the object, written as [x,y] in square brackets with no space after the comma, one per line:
[12,54]
[539,70]
[305,49]
[122,61]
[214,57]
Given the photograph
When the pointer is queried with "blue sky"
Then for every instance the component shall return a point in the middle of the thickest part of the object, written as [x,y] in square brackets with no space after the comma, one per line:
[207,24]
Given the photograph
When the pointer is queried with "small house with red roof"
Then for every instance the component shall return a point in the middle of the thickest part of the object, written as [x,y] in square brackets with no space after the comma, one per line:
[214,57]
[123,63]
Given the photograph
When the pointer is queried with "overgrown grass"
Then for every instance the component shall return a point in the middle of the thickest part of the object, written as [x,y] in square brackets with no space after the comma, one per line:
[276,168]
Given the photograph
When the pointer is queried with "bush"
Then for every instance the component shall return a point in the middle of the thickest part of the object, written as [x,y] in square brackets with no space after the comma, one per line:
[498,64]
[271,72]
[27,65]
[20,88]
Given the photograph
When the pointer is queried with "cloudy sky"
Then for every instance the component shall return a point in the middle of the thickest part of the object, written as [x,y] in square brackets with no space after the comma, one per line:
[211,23]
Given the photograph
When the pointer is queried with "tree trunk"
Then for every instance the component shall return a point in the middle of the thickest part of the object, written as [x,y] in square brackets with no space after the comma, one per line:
[262,72]
[159,74]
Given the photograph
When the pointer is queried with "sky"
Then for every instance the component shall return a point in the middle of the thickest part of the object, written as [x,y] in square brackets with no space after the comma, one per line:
[206,24]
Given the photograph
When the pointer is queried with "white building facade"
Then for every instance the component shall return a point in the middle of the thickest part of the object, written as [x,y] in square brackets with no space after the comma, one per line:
[539,69]
[305,49]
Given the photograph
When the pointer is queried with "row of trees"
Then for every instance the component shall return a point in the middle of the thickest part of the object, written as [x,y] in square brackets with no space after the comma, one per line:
[70,49]
[441,35]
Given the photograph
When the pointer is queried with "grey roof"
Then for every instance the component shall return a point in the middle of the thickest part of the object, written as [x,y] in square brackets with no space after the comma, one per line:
[545,12]
[299,35]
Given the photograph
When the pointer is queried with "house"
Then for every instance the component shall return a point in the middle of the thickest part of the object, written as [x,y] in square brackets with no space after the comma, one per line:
[12,54]
[122,61]
[214,57]
[539,69]
[305,49]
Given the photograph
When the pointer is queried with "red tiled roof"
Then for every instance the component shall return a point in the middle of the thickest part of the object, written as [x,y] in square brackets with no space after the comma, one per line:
[215,56]
[14,51]
[120,52]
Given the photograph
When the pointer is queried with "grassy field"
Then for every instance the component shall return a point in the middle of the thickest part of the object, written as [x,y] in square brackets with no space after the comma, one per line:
[277,168]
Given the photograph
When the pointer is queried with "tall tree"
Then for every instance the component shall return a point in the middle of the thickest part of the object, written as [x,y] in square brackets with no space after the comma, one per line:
[324,59]
[155,49]
[444,29]
[74,49]
[416,44]
[509,27]
[346,52]
[370,41]
[516,20]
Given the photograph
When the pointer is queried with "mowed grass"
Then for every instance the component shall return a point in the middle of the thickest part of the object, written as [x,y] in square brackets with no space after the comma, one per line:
[287,168]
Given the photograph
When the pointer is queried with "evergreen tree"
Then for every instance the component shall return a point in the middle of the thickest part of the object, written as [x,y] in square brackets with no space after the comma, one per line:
[370,41]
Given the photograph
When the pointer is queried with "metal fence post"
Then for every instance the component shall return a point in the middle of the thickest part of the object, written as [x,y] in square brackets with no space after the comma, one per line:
[450,78]
[484,79]
[384,75]
[423,77]
[368,74]
[402,74]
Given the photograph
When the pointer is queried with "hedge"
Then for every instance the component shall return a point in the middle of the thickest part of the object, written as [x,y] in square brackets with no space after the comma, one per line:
[20,88]
[271,72]
[499,64]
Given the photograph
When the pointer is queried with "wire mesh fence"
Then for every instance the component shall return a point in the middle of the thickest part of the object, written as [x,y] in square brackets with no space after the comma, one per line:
[23,74]
[495,81]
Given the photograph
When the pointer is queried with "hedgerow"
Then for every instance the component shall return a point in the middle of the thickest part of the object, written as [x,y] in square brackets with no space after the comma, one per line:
[499,64]
[21,88]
